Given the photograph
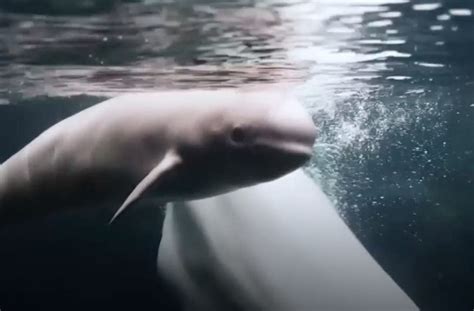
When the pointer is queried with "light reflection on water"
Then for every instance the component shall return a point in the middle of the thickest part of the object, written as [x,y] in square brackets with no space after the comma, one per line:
[389,84]
[160,45]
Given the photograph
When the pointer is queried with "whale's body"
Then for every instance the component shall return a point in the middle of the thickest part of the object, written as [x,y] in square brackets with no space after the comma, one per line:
[162,145]
[278,245]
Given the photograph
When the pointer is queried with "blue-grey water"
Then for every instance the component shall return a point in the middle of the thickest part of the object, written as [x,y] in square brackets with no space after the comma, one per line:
[389,83]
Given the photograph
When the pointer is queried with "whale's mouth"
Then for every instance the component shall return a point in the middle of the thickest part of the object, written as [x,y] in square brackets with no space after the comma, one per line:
[295,146]
[299,151]
[284,147]
[276,160]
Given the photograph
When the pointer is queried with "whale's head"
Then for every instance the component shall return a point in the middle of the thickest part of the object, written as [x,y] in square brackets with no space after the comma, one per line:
[269,141]
[250,138]
[226,140]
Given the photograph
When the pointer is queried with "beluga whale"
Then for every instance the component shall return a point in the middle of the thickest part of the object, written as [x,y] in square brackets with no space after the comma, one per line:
[158,146]
[279,245]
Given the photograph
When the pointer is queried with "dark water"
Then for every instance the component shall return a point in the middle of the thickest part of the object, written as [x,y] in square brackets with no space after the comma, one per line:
[390,85]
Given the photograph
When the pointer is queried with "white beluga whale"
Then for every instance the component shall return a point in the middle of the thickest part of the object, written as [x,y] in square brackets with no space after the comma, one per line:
[278,245]
[163,146]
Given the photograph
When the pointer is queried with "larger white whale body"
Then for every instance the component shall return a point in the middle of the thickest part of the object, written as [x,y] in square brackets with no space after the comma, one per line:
[275,246]
[161,146]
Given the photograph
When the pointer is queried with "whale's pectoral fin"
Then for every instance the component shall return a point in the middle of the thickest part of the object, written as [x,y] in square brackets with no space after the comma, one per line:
[170,161]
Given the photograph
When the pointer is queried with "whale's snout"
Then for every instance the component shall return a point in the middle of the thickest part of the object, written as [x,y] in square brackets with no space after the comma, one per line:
[287,142]
[269,136]
[295,131]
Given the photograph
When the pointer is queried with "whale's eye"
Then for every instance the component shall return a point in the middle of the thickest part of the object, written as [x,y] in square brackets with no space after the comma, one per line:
[237,135]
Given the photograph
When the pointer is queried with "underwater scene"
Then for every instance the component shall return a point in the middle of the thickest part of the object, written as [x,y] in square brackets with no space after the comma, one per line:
[389,85]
